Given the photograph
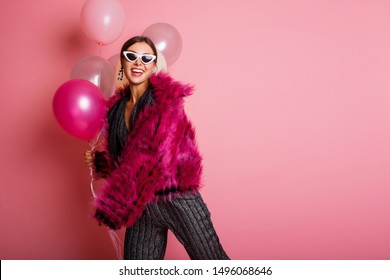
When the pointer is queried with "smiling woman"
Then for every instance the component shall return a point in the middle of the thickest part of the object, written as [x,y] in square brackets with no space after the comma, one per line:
[138,59]
[152,164]
[294,133]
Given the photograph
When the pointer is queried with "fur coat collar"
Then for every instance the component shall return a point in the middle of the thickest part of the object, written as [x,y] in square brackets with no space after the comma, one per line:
[165,90]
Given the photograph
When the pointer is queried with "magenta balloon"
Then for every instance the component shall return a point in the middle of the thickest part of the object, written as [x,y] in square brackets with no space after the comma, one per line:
[79,108]
[167,40]
[103,21]
[98,71]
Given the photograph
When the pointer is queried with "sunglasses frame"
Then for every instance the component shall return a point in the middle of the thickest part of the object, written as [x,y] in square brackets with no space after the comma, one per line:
[139,56]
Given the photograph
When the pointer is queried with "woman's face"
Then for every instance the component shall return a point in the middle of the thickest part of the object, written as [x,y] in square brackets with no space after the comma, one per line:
[138,72]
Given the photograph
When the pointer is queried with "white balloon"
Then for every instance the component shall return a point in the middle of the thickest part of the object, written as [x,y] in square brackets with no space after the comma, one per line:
[97,70]
[114,60]
[161,62]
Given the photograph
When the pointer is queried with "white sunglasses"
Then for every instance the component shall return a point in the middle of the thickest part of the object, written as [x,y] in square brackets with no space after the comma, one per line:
[145,58]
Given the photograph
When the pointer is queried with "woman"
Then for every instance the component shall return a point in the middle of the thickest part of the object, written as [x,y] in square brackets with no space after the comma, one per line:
[152,164]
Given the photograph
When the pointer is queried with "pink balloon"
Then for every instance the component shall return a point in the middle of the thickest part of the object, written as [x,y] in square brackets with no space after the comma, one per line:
[167,40]
[103,21]
[79,108]
[114,60]
[98,71]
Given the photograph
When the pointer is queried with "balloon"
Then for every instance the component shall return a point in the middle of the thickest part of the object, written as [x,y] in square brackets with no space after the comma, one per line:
[79,108]
[167,40]
[98,71]
[161,62]
[103,21]
[114,60]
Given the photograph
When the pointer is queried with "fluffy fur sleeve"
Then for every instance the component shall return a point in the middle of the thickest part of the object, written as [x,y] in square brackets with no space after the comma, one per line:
[142,168]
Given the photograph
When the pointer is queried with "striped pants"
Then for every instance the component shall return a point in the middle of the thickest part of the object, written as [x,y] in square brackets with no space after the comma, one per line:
[187,217]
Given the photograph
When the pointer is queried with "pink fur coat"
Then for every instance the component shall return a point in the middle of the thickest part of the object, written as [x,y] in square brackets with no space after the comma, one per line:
[160,157]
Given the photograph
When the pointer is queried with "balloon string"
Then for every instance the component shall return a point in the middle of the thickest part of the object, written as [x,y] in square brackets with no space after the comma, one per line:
[91,183]
[92,145]
[116,242]
[93,142]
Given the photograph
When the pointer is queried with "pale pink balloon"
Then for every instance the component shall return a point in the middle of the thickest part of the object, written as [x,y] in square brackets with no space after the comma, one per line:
[103,21]
[161,62]
[79,108]
[114,60]
[167,40]
[98,71]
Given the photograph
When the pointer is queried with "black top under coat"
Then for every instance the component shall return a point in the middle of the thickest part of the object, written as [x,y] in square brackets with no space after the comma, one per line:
[117,130]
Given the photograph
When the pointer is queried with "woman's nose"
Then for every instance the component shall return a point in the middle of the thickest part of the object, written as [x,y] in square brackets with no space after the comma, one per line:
[138,61]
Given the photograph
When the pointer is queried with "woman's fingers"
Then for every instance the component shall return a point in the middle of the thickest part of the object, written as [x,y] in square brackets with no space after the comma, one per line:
[88,158]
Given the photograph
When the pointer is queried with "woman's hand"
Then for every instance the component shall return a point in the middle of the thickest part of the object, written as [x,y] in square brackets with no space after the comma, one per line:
[88,158]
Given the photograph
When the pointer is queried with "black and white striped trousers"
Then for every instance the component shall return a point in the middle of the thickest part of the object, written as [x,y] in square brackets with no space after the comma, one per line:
[187,217]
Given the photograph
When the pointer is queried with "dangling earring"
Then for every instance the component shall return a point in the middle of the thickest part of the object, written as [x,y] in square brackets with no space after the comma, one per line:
[155,70]
[120,74]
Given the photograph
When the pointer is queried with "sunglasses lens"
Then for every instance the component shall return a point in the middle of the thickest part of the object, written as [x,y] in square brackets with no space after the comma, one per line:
[147,58]
[130,56]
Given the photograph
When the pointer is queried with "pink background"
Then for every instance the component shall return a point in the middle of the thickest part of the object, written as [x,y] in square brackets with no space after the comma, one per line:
[292,111]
